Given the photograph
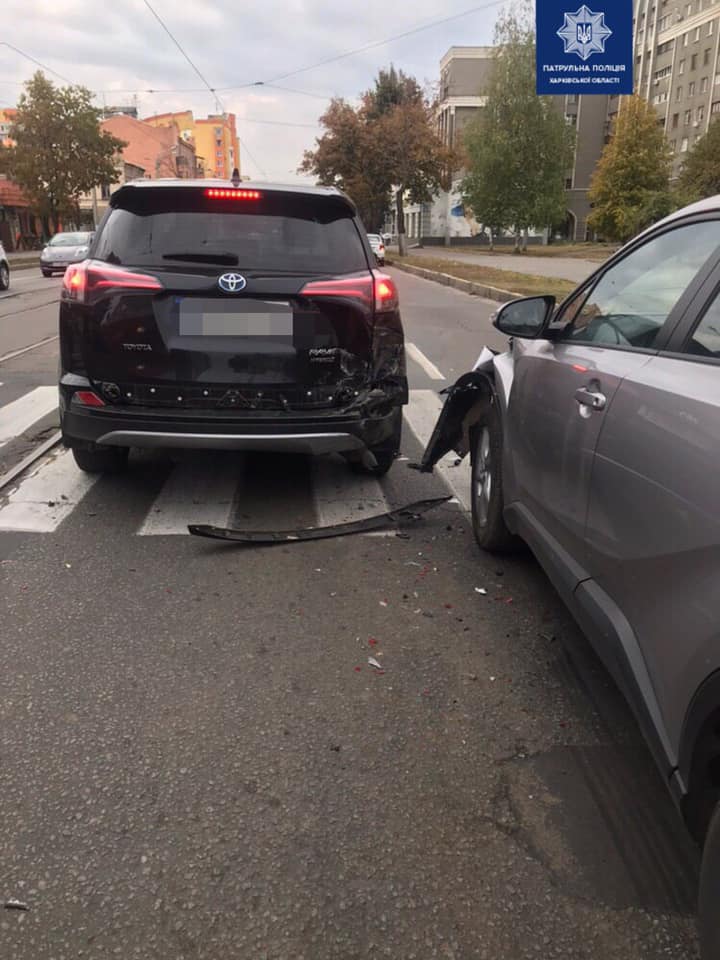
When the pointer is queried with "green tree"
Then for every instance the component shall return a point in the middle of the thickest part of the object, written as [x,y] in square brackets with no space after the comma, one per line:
[519,148]
[630,186]
[388,140]
[700,174]
[59,151]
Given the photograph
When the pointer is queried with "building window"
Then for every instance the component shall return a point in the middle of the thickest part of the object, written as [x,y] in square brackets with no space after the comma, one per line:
[681,67]
[675,120]
[572,98]
[679,94]
[571,119]
[662,73]
[697,35]
[685,39]
[568,183]
[706,57]
[691,89]
[700,114]
[684,145]
[693,61]
[688,117]
[688,10]
[663,23]
[704,85]
[715,108]
[673,144]
[710,28]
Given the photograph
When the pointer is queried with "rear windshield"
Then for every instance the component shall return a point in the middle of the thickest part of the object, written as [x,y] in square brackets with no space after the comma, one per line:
[277,232]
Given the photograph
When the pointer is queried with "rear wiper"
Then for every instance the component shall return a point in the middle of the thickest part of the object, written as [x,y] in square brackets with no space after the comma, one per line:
[224,259]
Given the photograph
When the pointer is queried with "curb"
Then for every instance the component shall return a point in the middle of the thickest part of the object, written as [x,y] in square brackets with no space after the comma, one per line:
[467,286]
[25,264]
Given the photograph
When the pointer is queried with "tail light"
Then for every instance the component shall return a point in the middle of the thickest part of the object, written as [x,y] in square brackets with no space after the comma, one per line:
[215,193]
[375,290]
[88,398]
[82,280]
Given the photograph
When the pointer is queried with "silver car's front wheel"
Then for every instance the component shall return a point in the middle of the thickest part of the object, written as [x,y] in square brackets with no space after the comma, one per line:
[486,477]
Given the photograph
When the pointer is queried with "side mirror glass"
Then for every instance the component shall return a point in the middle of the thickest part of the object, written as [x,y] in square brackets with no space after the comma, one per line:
[524,318]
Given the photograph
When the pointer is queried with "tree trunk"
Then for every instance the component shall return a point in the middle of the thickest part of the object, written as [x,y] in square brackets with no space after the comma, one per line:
[491,234]
[525,239]
[402,241]
[516,248]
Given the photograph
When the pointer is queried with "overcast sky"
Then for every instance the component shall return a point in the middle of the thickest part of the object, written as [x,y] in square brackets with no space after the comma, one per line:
[119,46]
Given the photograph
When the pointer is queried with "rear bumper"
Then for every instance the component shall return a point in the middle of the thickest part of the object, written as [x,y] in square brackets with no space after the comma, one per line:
[276,431]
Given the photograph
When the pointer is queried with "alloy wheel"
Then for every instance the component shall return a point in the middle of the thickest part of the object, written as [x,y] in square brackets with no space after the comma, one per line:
[482,476]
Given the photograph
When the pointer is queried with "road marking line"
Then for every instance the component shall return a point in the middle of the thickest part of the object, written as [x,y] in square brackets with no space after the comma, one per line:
[419,357]
[16,417]
[45,497]
[201,490]
[22,350]
[421,416]
[341,496]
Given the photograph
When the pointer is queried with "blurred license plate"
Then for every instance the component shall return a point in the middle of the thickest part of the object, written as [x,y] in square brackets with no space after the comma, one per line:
[208,318]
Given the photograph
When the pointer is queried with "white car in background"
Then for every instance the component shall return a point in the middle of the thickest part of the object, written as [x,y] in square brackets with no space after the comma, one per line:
[4,269]
[378,247]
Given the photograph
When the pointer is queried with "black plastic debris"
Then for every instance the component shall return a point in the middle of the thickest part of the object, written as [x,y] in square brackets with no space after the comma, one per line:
[16,905]
[410,512]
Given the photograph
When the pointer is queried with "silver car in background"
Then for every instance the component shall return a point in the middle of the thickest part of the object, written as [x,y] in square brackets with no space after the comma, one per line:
[378,247]
[64,249]
[4,269]
[595,439]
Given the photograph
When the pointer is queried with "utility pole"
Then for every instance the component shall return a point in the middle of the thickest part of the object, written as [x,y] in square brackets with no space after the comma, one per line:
[95,207]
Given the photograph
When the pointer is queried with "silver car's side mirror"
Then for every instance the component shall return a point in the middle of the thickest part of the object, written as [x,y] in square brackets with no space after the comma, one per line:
[526,318]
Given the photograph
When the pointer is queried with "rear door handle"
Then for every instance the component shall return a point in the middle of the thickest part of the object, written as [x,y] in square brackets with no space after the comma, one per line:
[591,398]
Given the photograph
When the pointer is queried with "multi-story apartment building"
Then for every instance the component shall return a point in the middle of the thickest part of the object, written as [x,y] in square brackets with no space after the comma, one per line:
[215,139]
[464,74]
[7,119]
[677,67]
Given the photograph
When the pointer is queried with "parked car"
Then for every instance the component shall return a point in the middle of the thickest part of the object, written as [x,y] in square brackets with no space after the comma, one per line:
[4,269]
[62,250]
[378,247]
[595,439]
[249,318]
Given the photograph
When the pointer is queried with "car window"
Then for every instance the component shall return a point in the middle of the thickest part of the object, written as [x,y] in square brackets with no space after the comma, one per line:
[632,300]
[69,239]
[704,341]
[275,233]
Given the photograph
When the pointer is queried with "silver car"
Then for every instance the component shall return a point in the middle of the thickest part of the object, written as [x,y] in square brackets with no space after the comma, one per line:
[4,269]
[595,439]
[64,249]
[378,247]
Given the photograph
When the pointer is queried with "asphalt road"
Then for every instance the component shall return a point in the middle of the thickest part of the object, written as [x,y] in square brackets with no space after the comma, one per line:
[197,760]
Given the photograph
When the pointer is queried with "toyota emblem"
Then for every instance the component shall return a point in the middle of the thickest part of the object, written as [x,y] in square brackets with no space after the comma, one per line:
[232,282]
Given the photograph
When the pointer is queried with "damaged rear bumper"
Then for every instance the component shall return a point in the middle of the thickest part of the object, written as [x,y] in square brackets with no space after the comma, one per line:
[368,424]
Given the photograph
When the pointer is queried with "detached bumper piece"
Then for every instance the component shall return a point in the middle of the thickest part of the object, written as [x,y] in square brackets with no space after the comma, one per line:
[412,511]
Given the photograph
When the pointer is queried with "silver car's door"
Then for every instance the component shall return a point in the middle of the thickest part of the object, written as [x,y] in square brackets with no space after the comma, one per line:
[653,532]
[564,388]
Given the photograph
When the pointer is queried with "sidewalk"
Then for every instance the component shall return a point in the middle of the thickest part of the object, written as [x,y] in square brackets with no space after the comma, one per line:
[564,268]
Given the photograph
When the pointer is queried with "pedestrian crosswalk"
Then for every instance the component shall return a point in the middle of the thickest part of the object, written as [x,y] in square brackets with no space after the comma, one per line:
[208,488]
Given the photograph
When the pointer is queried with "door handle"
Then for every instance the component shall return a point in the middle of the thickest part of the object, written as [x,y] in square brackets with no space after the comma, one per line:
[591,398]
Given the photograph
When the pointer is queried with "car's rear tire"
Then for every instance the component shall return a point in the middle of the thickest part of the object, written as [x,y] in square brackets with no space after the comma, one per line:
[385,453]
[709,896]
[4,277]
[97,459]
[45,273]
[486,444]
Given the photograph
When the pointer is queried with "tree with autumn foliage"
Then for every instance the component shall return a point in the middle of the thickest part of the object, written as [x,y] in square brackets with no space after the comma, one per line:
[388,141]
[58,150]
[630,187]
[700,174]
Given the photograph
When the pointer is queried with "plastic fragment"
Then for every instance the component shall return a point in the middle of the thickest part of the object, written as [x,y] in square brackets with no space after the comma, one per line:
[383,603]
[13,904]
[481,590]
[375,663]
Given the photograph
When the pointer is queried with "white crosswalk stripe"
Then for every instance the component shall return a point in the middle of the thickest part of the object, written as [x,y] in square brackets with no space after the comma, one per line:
[195,492]
[18,416]
[201,488]
[46,496]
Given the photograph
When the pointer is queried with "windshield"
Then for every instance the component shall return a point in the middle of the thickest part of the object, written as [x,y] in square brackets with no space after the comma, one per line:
[70,239]
[278,233]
